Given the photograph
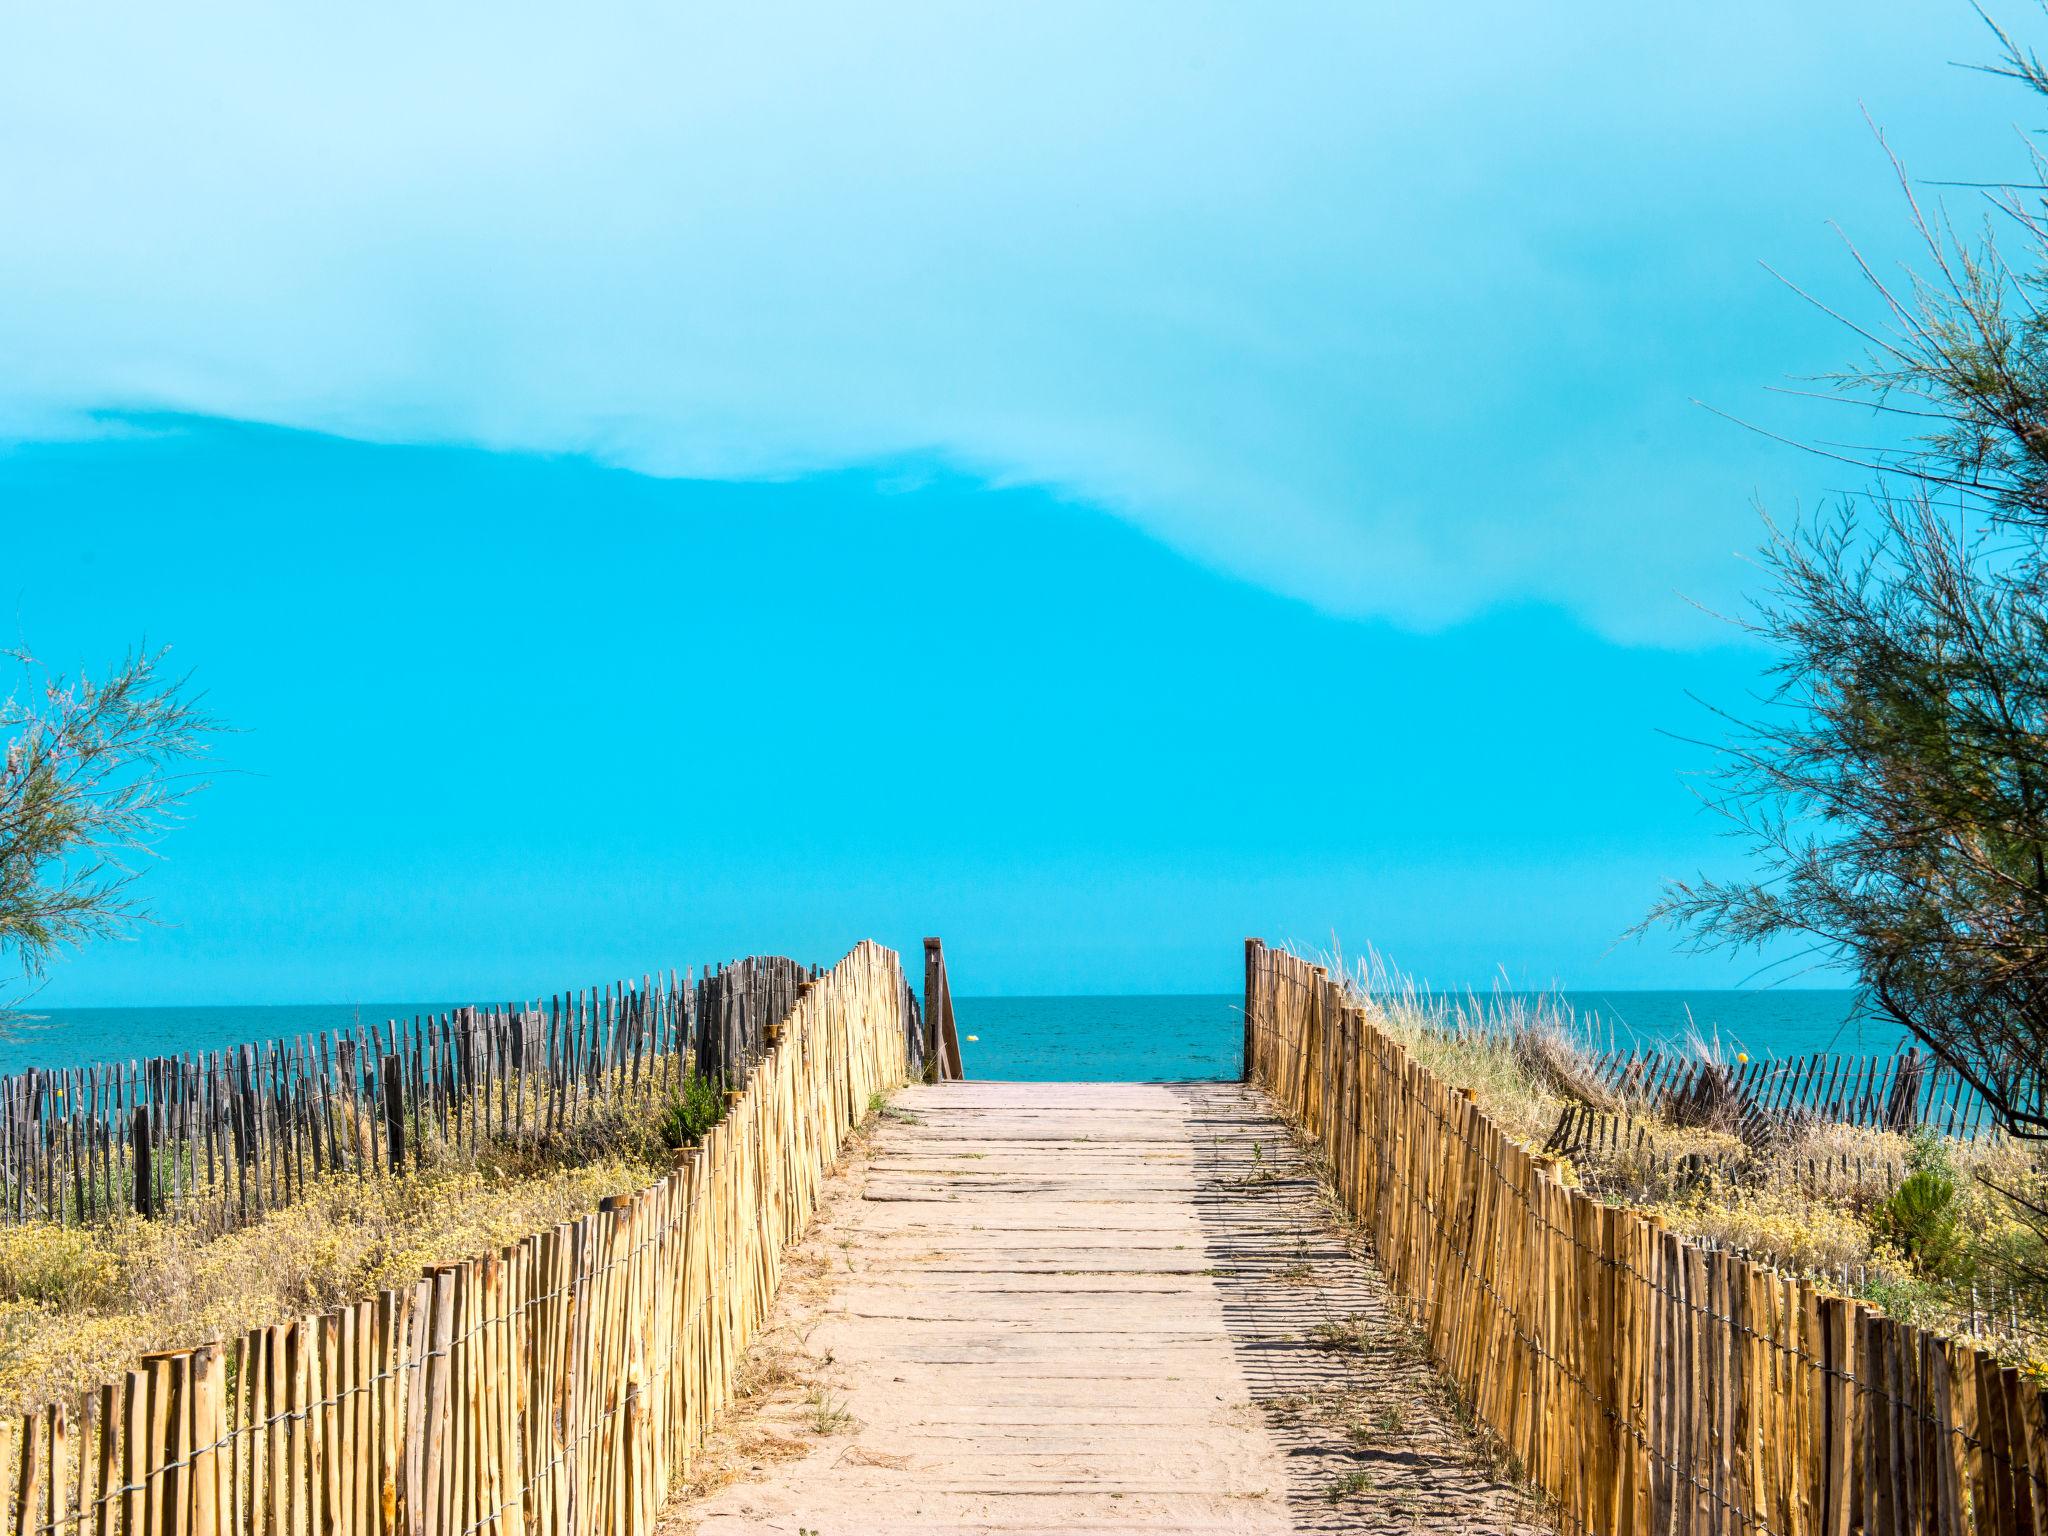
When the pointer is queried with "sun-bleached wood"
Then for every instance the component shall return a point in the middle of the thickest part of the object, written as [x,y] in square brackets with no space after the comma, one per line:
[556,1386]
[1645,1383]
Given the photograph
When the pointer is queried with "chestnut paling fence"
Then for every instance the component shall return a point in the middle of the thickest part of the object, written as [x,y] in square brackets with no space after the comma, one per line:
[1897,1090]
[559,1385]
[224,1136]
[1645,1383]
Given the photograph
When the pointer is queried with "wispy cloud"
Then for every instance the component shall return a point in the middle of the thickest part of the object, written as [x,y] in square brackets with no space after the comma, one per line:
[1393,309]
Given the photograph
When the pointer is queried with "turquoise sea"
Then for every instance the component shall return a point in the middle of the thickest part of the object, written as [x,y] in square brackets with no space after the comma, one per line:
[1094,1038]
[1110,1039]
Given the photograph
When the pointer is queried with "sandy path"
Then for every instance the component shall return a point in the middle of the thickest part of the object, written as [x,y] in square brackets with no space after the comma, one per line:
[1088,1308]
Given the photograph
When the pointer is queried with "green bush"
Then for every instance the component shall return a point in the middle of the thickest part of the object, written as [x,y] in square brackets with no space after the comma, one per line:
[690,1112]
[1919,1219]
[1928,1151]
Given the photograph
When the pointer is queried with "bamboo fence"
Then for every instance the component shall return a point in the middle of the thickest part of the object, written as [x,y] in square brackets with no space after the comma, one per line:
[227,1135]
[556,1387]
[1643,1382]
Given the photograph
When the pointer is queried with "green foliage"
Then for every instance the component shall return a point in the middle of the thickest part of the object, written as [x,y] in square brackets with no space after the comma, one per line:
[1922,1220]
[696,1107]
[1919,1220]
[1911,1299]
[1927,1150]
[1889,786]
[90,773]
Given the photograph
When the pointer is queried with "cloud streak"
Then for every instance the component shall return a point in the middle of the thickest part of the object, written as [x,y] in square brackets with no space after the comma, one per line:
[1390,309]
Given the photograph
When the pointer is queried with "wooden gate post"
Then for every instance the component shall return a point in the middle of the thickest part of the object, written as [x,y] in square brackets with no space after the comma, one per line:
[1251,972]
[941,1033]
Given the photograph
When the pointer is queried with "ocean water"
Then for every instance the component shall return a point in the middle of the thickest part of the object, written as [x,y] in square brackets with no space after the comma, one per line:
[1100,1039]
[1779,1022]
[1081,1039]
[76,1037]
[1116,1039]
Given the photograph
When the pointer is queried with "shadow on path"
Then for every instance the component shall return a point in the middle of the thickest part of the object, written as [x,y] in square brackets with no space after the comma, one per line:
[1370,1432]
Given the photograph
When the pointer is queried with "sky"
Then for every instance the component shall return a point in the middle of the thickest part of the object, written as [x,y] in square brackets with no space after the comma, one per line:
[1095,482]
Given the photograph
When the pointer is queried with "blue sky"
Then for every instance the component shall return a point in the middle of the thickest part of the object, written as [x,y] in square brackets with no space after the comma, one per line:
[1091,481]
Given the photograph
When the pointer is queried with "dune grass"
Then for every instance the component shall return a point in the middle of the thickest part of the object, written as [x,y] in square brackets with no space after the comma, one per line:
[1925,1226]
[78,1305]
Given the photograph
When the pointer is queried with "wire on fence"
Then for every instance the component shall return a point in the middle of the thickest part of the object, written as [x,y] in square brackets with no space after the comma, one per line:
[555,1387]
[1646,1382]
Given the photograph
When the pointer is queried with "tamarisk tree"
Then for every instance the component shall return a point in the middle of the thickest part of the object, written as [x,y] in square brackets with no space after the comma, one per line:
[91,771]
[1891,785]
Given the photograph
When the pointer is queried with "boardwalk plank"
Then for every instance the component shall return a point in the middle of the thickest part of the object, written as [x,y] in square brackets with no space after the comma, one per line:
[1093,1308]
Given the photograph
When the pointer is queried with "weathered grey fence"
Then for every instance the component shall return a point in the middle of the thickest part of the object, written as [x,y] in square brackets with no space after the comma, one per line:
[235,1132]
[1896,1091]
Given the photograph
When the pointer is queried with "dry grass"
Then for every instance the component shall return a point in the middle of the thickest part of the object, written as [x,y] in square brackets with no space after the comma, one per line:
[1808,1197]
[1522,1056]
[77,1306]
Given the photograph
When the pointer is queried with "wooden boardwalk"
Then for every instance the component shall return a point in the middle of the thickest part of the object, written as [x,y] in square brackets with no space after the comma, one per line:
[1089,1308]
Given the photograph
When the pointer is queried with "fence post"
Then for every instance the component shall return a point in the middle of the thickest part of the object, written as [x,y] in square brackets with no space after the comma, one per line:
[933,1066]
[145,1172]
[1902,1108]
[394,1110]
[1251,970]
[941,1033]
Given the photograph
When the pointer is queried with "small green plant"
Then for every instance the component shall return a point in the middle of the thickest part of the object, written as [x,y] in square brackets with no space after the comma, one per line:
[1928,1150]
[1351,1334]
[1349,1486]
[826,1412]
[691,1111]
[1919,1219]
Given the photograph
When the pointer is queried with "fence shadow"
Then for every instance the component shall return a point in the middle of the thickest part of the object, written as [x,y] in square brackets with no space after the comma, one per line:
[1371,1436]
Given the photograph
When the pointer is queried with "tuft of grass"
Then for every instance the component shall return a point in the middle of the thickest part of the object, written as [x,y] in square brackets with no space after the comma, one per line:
[1350,1335]
[1349,1486]
[690,1111]
[825,1412]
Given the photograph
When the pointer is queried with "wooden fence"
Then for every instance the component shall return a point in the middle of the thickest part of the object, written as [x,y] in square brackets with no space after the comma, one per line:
[555,1388]
[230,1134]
[941,1036]
[1895,1091]
[1605,1144]
[1645,1383]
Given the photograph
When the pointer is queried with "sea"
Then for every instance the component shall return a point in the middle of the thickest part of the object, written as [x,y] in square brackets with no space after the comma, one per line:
[1096,1038]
